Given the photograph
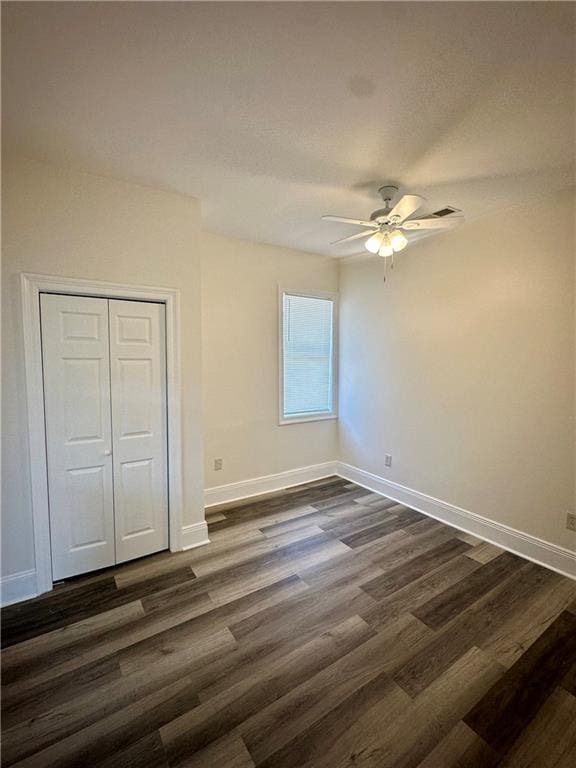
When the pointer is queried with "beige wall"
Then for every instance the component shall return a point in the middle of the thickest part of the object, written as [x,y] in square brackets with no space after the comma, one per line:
[462,367]
[65,223]
[240,360]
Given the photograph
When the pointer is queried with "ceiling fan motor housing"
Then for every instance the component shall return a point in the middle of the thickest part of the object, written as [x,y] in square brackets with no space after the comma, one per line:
[381,215]
[387,192]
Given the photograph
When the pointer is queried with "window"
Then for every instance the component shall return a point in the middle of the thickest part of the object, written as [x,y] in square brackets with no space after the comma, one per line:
[307,359]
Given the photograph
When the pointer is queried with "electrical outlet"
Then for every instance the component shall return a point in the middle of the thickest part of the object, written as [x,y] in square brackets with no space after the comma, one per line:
[218,463]
[571,521]
[388,459]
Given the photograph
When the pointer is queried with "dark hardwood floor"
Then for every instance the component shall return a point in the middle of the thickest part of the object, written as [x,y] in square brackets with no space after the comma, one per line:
[323,626]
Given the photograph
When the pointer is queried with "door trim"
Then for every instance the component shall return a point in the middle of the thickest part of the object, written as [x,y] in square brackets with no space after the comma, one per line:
[31,286]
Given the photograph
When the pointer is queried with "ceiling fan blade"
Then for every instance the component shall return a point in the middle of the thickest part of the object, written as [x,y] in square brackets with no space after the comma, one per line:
[344,220]
[433,223]
[405,207]
[352,237]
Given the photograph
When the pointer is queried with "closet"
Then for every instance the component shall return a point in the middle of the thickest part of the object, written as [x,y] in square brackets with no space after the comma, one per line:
[104,368]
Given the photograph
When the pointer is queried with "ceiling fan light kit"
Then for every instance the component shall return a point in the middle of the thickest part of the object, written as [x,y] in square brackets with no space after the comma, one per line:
[386,224]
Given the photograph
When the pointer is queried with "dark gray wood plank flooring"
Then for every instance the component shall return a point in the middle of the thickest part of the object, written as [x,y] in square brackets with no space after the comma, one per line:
[323,626]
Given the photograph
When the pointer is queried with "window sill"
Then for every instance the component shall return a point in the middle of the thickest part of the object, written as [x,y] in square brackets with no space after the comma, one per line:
[310,417]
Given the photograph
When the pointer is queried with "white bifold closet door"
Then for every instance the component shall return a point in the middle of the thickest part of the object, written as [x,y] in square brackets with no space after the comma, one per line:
[105,405]
[138,387]
[76,362]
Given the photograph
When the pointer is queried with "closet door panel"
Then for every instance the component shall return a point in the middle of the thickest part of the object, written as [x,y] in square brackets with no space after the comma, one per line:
[75,358]
[138,387]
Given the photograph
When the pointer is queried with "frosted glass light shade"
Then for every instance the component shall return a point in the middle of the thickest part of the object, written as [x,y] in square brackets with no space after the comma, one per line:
[398,240]
[386,250]
[373,243]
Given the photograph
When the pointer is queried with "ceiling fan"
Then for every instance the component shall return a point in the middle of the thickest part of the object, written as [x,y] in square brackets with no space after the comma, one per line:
[385,236]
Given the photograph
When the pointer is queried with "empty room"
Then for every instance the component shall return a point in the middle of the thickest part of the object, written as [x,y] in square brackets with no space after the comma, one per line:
[288,385]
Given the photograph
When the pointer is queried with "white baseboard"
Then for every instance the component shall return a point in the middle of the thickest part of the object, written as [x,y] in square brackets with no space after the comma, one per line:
[543,552]
[23,586]
[222,494]
[195,535]
[18,587]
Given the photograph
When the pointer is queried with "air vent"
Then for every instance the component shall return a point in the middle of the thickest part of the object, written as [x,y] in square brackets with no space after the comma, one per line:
[446,211]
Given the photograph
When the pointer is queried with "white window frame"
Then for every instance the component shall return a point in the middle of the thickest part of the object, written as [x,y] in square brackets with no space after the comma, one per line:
[320,415]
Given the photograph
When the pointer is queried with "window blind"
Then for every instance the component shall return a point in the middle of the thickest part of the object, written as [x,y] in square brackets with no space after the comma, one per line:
[307,355]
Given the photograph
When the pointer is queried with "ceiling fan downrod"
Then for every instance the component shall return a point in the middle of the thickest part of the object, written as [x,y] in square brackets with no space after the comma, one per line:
[387,193]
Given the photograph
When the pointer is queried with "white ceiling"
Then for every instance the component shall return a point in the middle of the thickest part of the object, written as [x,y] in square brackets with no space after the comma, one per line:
[275,113]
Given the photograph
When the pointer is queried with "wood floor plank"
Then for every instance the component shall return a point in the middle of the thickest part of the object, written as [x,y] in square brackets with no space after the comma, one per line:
[143,568]
[436,710]
[259,649]
[429,525]
[389,731]
[419,591]
[228,752]
[280,504]
[395,549]
[312,745]
[220,714]
[149,648]
[512,637]
[265,518]
[323,626]
[371,496]
[29,620]
[378,530]
[568,682]
[550,739]
[270,730]
[399,577]
[461,748]
[474,541]
[76,714]
[516,698]
[473,627]
[446,606]
[30,704]
[113,733]
[89,650]
[485,552]
[32,652]
[347,569]
[186,594]
[24,621]
[222,669]
[340,499]
[257,551]
[285,497]
[355,517]
[313,517]
[147,752]
[239,580]
[311,606]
